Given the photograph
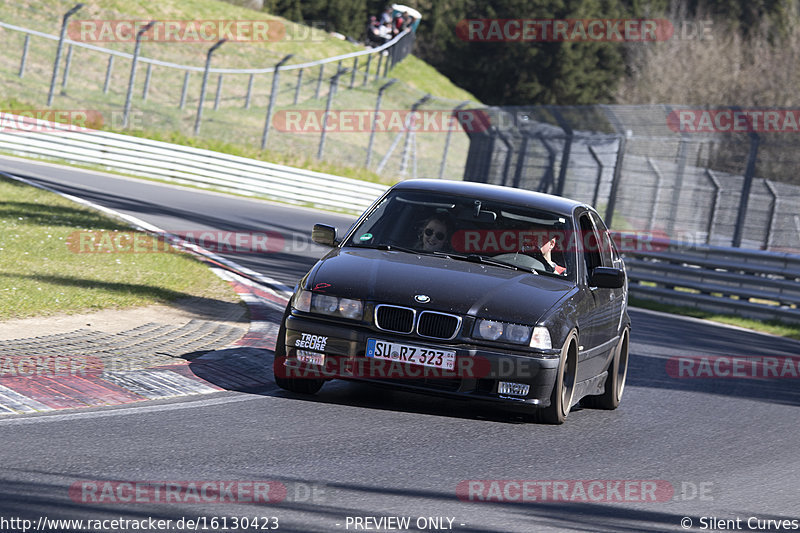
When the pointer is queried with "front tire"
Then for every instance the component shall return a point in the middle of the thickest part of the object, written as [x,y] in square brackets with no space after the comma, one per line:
[298,385]
[564,387]
[615,382]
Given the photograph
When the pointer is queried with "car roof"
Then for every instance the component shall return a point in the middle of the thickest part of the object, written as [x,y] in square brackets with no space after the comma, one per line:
[498,193]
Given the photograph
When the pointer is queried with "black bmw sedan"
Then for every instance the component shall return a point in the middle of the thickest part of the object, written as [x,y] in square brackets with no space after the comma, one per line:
[476,291]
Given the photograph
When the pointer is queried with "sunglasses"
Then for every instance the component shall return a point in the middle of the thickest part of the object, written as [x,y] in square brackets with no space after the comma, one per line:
[439,234]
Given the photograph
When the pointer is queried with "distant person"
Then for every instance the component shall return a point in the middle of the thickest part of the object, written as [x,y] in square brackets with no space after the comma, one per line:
[386,16]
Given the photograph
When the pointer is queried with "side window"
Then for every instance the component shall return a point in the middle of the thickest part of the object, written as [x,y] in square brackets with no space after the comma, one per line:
[606,246]
[590,244]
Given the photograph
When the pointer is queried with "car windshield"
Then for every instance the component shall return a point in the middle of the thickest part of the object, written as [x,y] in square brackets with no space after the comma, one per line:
[468,228]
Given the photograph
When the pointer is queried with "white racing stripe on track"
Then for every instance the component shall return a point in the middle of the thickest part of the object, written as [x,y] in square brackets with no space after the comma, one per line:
[144,409]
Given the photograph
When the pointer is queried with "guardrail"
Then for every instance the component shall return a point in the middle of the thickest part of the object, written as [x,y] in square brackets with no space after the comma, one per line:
[752,283]
[185,165]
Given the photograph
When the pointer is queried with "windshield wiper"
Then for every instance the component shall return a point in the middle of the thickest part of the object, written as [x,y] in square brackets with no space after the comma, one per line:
[476,258]
[390,248]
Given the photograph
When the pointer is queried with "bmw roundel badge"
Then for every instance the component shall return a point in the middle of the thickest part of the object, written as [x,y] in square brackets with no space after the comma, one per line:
[422,298]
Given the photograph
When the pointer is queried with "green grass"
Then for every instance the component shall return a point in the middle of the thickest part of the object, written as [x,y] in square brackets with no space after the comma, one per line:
[42,274]
[773,327]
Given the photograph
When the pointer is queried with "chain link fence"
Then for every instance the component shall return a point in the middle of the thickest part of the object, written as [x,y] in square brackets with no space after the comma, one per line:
[660,169]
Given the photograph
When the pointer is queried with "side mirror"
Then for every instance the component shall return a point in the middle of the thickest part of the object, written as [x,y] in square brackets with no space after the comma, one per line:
[324,234]
[607,278]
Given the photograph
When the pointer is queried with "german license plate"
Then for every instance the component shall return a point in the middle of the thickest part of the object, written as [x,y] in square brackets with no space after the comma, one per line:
[408,353]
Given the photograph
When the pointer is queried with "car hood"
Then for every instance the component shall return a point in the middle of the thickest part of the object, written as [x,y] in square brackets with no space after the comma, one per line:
[455,286]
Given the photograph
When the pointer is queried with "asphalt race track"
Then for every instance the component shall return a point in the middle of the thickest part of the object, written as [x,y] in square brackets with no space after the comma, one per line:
[678,449]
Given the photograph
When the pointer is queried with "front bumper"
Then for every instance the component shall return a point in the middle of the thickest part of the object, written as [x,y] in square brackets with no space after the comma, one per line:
[476,375]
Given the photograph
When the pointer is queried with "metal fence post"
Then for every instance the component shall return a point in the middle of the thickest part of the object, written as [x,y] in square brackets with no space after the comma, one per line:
[297,87]
[378,70]
[109,68]
[745,194]
[199,116]
[67,15]
[657,195]
[146,88]
[249,91]
[67,65]
[455,111]
[411,132]
[612,196]
[375,119]
[331,93]
[24,55]
[273,95]
[773,211]
[386,63]
[353,75]
[219,92]
[714,204]
[132,78]
[319,81]
[599,178]
[184,89]
[366,71]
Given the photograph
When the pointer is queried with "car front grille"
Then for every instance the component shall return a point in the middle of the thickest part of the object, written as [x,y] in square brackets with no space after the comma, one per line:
[438,325]
[394,318]
[429,324]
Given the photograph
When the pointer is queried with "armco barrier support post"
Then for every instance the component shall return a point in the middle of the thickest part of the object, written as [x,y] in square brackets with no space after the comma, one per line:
[273,95]
[64,20]
[199,116]
[375,118]
[132,77]
[331,93]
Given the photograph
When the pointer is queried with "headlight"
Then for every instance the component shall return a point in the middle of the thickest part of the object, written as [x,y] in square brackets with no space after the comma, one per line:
[352,309]
[491,330]
[302,301]
[325,304]
[541,338]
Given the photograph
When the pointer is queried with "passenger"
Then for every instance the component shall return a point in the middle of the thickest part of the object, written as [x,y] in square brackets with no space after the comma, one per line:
[435,233]
[546,250]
